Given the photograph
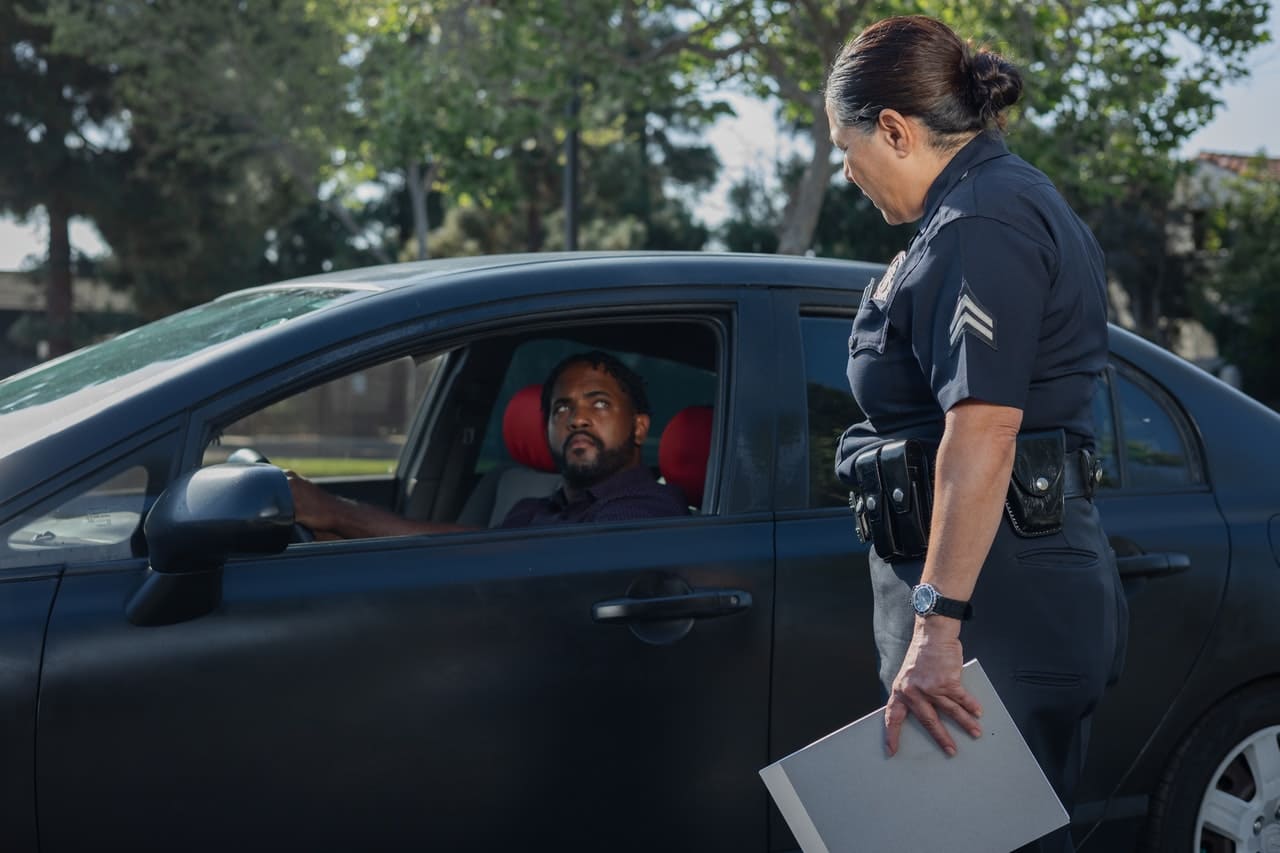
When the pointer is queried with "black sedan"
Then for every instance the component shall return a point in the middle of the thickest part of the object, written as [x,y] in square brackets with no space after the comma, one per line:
[181,670]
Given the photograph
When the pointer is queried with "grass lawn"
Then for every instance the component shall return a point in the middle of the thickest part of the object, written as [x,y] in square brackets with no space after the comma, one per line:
[312,467]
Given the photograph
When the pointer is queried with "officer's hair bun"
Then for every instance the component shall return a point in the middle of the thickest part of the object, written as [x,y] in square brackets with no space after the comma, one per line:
[994,86]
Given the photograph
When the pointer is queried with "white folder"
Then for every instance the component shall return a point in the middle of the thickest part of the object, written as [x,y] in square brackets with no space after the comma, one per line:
[843,794]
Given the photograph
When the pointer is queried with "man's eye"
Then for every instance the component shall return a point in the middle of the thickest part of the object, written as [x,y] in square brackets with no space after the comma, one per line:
[559,409]
[602,404]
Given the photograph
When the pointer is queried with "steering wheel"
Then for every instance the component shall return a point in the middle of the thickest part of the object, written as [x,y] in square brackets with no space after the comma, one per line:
[248,455]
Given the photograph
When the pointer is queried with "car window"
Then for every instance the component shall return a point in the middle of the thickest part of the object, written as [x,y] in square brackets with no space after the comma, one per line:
[831,407]
[1156,453]
[671,386]
[350,426]
[96,519]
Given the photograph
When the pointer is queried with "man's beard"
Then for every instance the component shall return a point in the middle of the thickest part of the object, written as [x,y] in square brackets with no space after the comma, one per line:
[585,474]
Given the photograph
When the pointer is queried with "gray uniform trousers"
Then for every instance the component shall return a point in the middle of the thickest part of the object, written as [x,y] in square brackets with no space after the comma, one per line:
[1049,626]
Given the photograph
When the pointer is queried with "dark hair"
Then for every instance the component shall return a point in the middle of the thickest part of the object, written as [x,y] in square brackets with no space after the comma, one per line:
[919,67]
[627,378]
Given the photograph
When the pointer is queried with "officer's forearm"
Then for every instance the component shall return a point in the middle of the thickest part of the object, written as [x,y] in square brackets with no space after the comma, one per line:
[972,471]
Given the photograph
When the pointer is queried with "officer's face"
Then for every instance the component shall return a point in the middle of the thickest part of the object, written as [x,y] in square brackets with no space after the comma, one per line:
[882,168]
[593,429]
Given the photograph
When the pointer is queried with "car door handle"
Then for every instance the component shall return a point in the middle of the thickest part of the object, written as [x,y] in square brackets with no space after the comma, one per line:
[1151,565]
[698,604]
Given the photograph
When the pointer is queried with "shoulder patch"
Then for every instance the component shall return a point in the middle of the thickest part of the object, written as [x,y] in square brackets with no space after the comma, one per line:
[885,286]
[971,318]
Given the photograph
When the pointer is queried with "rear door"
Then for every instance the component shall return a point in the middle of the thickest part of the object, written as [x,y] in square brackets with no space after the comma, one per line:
[1173,551]
[451,691]
[824,657]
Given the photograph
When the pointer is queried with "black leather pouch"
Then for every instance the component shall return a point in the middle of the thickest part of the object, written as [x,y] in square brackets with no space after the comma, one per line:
[908,490]
[869,507]
[1037,487]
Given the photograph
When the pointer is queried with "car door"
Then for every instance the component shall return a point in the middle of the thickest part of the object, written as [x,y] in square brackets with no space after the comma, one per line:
[459,692]
[824,658]
[1173,552]
[82,517]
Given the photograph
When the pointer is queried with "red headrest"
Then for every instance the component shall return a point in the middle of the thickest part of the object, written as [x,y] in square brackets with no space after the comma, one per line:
[524,430]
[684,450]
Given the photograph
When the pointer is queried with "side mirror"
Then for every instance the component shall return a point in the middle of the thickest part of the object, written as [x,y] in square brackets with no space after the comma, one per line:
[200,521]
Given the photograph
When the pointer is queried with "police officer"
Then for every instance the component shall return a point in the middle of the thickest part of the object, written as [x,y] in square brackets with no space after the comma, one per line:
[982,345]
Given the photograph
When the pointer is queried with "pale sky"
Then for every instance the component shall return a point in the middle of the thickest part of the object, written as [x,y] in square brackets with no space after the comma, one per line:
[750,144]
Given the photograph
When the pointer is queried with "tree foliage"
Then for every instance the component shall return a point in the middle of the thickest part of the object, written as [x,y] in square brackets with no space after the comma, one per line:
[262,138]
[1242,303]
[1113,89]
[56,136]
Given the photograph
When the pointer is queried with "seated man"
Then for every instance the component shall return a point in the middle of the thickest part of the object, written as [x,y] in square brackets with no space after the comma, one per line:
[597,416]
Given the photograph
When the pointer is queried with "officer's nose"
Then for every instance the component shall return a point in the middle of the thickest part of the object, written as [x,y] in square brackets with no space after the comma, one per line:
[848,172]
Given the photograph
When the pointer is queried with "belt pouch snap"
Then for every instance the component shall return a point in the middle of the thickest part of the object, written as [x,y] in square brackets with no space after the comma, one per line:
[1035,501]
[867,467]
[908,492]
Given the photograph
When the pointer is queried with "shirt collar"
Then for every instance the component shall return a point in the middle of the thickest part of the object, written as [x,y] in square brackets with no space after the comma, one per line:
[623,482]
[983,147]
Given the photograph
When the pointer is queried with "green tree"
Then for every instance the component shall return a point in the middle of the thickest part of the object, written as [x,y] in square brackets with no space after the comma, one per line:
[59,145]
[1113,87]
[1242,303]
[231,113]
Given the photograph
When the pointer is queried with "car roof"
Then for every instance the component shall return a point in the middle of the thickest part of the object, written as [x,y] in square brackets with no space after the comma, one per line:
[705,268]
[378,298]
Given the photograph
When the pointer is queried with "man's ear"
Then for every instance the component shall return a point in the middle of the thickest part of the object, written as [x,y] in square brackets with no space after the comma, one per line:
[641,429]
[901,134]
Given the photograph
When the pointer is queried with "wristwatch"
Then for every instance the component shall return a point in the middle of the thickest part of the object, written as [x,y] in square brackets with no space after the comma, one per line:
[927,601]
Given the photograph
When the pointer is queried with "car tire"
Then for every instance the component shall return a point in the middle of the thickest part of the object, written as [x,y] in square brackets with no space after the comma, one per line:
[1220,790]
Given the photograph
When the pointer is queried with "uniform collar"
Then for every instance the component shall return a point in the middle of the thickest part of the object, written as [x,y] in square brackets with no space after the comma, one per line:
[983,147]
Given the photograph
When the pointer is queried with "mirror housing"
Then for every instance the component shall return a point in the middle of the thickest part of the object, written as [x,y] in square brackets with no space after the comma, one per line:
[200,521]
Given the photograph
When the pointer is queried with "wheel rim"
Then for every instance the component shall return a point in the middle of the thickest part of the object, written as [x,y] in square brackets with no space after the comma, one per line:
[1240,810]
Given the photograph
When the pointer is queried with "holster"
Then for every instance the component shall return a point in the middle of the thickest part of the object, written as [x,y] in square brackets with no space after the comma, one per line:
[893,500]
[1037,489]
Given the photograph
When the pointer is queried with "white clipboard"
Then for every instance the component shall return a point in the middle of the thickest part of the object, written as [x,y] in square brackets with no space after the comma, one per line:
[843,794]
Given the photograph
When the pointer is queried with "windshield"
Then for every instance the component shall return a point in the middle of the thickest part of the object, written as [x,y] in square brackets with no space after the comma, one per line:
[155,344]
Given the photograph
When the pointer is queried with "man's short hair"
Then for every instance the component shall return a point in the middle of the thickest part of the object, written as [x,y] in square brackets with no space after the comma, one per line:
[630,381]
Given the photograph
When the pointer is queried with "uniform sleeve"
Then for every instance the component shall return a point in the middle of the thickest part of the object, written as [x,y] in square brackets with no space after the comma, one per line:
[976,321]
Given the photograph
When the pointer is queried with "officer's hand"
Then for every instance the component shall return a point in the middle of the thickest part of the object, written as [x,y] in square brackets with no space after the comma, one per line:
[928,685]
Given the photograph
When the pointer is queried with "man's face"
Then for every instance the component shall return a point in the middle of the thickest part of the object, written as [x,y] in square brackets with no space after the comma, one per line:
[593,429]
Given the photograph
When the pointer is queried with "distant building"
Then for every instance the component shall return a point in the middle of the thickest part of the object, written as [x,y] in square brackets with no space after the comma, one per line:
[22,303]
[1211,184]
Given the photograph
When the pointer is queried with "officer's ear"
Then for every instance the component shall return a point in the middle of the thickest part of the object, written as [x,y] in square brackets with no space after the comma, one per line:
[899,132]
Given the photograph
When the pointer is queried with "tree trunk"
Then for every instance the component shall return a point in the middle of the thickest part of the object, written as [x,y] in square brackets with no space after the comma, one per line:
[58,290]
[332,204]
[800,218]
[419,187]
[570,182]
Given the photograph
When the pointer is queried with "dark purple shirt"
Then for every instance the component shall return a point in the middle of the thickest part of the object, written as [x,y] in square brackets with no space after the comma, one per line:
[627,495]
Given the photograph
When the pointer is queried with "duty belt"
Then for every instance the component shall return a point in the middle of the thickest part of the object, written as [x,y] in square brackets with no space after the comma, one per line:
[1082,474]
[892,503]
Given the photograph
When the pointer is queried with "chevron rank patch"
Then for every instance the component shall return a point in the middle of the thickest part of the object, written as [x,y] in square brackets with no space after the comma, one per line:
[971,318]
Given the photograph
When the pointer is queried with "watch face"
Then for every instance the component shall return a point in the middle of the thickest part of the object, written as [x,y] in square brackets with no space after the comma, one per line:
[923,597]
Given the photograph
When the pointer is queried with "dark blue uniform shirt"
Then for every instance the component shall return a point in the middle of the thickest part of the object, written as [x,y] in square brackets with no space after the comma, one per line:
[1000,297]
[630,494]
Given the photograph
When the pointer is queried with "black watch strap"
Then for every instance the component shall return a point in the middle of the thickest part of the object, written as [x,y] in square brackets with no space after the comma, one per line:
[926,601]
[961,610]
